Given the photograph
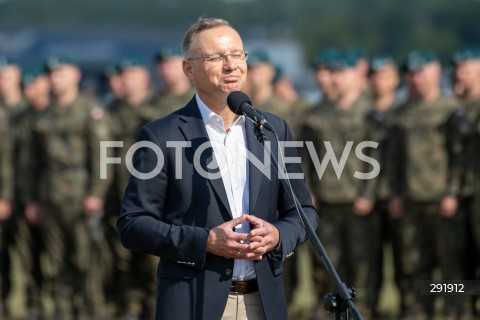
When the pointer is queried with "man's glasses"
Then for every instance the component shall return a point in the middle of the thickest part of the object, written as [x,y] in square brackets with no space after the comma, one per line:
[236,56]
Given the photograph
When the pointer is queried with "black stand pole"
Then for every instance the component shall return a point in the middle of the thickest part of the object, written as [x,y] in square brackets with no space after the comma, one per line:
[335,303]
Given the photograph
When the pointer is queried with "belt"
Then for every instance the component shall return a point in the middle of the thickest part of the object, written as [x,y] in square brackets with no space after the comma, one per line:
[244,286]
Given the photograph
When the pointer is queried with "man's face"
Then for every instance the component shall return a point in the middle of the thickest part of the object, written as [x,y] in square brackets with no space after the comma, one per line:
[345,80]
[385,80]
[170,70]
[9,79]
[214,78]
[38,89]
[425,79]
[467,73]
[261,75]
[325,83]
[135,79]
[63,78]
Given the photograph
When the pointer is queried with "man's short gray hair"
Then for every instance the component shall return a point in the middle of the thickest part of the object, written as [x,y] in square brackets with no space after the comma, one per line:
[199,26]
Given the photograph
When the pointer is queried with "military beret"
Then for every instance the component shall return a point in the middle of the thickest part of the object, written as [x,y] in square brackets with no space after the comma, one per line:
[31,73]
[5,61]
[469,53]
[417,59]
[344,60]
[279,72]
[381,61]
[56,61]
[132,61]
[325,58]
[111,69]
[257,56]
[167,52]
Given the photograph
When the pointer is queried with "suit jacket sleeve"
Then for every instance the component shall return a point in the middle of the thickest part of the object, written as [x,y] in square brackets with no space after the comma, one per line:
[141,227]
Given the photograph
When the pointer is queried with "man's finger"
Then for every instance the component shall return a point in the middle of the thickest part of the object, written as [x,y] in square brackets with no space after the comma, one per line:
[235,222]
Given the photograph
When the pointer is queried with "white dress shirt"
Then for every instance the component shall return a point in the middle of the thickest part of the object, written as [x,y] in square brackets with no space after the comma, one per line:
[229,149]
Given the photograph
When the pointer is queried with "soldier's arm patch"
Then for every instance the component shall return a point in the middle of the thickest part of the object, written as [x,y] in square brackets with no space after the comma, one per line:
[97,114]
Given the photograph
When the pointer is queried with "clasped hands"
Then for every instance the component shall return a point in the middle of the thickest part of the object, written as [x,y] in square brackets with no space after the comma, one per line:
[225,242]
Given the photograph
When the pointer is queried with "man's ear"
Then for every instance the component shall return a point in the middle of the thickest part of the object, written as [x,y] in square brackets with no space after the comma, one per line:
[188,69]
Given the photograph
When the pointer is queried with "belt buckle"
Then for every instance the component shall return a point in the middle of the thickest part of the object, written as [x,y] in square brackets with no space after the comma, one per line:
[239,287]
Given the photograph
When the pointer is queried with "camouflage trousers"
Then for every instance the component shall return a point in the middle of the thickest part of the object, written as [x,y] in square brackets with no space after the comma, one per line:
[29,245]
[130,283]
[71,269]
[298,283]
[426,241]
[473,224]
[6,240]
[353,244]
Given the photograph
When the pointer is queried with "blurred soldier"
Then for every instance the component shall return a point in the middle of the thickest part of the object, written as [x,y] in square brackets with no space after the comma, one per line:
[11,104]
[115,86]
[283,88]
[6,182]
[260,85]
[425,204]
[10,92]
[467,119]
[177,89]
[131,287]
[384,80]
[362,67]
[323,75]
[68,188]
[347,226]
[36,88]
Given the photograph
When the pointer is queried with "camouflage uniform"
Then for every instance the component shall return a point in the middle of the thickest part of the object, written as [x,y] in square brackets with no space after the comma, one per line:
[466,133]
[421,176]
[350,240]
[66,140]
[28,239]
[165,103]
[6,182]
[132,284]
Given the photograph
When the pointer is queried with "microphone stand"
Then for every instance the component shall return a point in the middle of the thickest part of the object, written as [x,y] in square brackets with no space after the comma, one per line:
[342,300]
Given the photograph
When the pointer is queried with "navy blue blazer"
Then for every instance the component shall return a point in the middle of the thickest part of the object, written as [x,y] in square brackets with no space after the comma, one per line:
[170,216]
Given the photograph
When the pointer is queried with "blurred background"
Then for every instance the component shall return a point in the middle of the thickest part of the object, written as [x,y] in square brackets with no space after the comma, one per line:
[97,32]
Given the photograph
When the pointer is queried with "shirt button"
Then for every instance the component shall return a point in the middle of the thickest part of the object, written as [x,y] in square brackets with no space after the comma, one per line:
[228,272]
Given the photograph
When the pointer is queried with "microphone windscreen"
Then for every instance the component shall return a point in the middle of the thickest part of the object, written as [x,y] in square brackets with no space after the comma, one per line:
[235,100]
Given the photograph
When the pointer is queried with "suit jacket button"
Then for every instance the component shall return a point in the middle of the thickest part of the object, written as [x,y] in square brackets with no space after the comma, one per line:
[228,272]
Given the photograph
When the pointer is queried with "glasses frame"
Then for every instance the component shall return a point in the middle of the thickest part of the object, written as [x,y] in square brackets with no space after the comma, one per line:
[218,57]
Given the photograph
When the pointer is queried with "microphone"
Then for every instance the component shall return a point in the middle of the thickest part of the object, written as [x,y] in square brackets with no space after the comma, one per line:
[241,104]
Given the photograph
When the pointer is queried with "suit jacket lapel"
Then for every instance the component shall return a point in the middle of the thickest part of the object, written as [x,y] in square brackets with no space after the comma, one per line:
[193,128]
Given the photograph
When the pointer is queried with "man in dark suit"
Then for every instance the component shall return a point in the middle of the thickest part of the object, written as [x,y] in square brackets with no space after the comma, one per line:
[220,224]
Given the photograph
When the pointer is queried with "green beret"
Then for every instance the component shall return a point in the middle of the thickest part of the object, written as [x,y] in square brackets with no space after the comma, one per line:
[325,58]
[31,73]
[469,53]
[132,61]
[345,60]
[381,61]
[167,52]
[111,69]
[417,59]
[257,56]
[5,61]
[278,73]
[59,60]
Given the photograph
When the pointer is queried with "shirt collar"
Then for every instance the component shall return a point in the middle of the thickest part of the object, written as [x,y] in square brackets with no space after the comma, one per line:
[208,116]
